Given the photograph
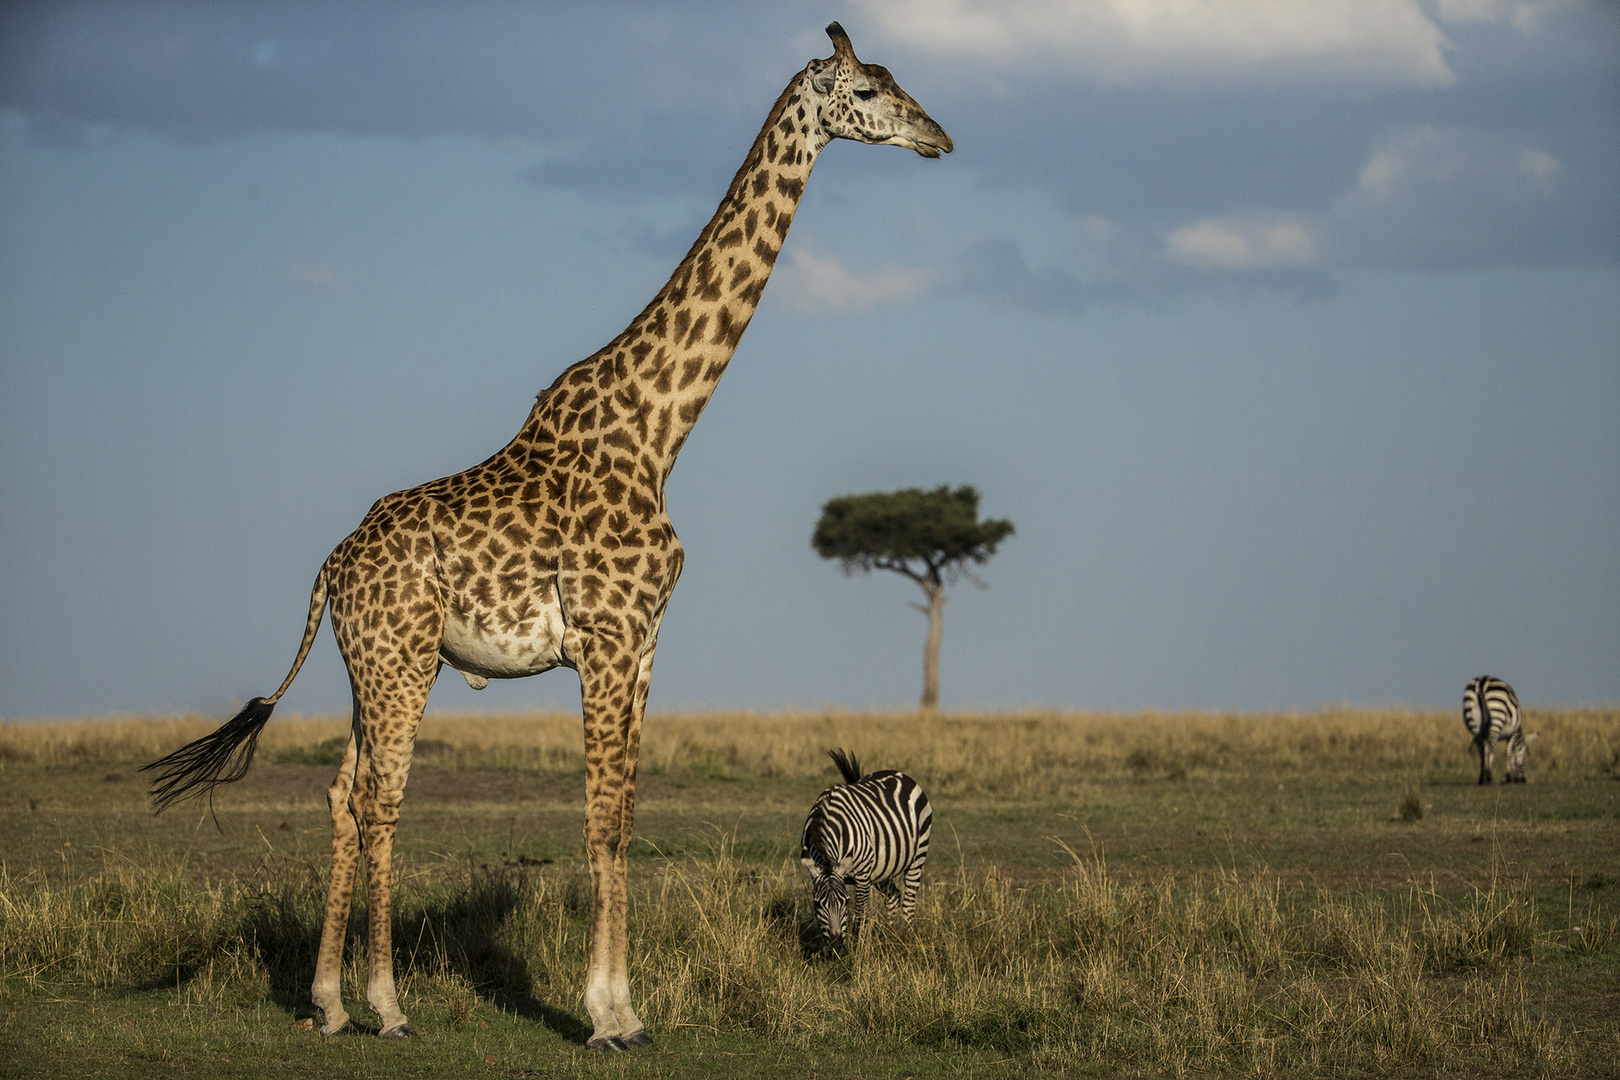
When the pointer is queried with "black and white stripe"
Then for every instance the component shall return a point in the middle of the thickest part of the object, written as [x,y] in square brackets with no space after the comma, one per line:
[1491,711]
[869,830]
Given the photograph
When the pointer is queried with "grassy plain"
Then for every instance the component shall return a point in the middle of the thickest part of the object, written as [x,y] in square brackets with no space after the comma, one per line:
[1158,894]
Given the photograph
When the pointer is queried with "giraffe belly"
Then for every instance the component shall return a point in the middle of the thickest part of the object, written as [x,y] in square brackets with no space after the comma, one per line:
[492,652]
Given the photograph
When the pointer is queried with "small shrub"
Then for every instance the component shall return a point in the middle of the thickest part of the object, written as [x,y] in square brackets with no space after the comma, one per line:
[1411,808]
[1142,760]
[329,752]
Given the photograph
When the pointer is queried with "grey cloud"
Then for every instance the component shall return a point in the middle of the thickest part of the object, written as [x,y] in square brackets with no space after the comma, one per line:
[665,153]
[638,100]
[1342,40]
[996,270]
[1161,158]
[209,70]
[1445,198]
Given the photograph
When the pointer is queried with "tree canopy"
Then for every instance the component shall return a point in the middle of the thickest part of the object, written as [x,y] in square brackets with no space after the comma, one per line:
[920,533]
[929,536]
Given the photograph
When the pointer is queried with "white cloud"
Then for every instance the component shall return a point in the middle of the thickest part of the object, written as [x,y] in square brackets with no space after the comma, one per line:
[1131,40]
[1443,197]
[1429,159]
[1537,165]
[1524,15]
[314,276]
[822,284]
[1244,243]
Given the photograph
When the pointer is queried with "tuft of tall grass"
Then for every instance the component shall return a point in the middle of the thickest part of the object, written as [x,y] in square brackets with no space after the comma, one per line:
[1230,971]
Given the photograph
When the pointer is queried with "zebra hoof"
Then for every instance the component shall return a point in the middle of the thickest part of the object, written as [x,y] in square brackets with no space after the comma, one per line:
[398,1031]
[639,1037]
[606,1042]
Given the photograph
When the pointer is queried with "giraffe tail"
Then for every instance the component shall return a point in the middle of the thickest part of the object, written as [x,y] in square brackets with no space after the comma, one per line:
[224,756]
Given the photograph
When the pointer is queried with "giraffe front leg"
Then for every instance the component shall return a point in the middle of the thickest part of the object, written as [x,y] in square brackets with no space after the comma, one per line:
[606,945]
[632,1031]
[607,687]
[327,991]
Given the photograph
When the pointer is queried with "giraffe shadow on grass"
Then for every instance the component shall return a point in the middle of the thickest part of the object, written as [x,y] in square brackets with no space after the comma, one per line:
[458,936]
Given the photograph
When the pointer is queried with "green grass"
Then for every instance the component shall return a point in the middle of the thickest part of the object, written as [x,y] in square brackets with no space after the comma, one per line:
[1142,896]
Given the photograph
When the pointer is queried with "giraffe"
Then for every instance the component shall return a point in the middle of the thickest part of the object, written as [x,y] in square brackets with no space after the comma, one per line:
[556,551]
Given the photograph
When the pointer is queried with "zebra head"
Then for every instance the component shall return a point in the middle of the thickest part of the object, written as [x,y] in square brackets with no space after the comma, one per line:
[828,898]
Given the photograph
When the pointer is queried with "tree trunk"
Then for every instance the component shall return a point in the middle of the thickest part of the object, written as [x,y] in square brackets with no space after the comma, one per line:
[936,629]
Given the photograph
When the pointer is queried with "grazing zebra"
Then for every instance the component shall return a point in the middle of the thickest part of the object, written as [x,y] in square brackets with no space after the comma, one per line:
[1491,711]
[869,830]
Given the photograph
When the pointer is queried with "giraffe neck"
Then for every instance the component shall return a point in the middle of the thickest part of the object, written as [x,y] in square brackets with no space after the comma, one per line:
[647,387]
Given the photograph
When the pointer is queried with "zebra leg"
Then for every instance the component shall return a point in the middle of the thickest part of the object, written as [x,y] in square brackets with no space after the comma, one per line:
[857,904]
[891,894]
[908,900]
[1518,751]
[1484,747]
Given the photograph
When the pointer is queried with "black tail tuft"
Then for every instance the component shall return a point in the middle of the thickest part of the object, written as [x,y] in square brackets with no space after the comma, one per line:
[846,764]
[220,758]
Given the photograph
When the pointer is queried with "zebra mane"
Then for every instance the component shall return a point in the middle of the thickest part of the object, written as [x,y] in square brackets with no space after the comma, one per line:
[846,764]
[816,838]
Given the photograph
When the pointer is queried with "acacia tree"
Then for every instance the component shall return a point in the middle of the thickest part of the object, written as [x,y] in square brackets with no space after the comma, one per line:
[929,536]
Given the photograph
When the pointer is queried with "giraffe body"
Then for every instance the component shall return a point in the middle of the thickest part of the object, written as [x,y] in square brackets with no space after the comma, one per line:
[556,551]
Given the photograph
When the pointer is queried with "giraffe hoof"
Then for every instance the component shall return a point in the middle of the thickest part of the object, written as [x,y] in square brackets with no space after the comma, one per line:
[606,1042]
[336,1026]
[398,1031]
[639,1037]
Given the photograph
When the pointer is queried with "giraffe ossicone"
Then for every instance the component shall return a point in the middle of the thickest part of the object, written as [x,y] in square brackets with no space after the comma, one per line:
[556,551]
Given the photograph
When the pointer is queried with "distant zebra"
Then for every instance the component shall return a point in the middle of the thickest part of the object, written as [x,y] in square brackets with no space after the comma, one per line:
[1491,711]
[869,830]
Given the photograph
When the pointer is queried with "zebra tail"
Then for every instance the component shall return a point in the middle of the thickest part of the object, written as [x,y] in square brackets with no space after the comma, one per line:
[224,756]
[846,764]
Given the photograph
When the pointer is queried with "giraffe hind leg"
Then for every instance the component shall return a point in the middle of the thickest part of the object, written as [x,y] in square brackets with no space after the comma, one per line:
[327,991]
[389,753]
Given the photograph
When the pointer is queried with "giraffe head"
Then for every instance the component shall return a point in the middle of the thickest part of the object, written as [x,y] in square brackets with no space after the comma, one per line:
[863,102]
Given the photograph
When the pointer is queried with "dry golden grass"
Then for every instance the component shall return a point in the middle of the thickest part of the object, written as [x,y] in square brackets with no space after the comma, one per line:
[1297,967]
[1015,755]
[1231,972]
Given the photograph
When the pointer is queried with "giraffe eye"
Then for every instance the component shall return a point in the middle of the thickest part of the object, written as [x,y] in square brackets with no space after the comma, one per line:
[866,95]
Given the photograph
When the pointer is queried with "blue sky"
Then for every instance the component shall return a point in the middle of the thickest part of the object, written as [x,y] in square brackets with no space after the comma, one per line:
[1288,336]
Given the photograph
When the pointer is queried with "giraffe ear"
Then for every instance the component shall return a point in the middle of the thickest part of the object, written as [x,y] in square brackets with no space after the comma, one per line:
[821,75]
